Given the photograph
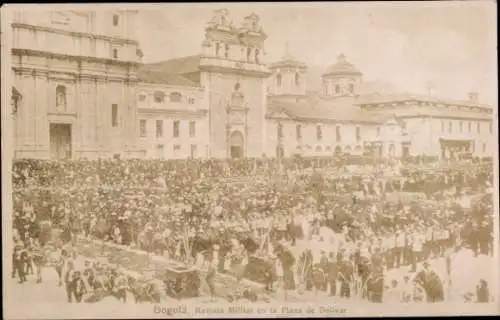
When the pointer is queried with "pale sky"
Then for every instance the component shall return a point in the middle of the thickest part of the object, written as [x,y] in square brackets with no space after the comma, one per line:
[451,45]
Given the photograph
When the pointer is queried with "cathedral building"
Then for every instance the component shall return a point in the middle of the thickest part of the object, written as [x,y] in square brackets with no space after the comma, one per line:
[76,74]
[81,91]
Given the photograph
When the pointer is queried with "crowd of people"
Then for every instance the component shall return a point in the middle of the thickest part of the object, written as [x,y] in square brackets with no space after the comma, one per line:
[221,213]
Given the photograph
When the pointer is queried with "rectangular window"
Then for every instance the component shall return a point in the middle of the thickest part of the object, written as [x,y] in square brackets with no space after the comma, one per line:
[461,126]
[280,131]
[319,133]
[478,127]
[298,130]
[114,115]
[176,132]
[470,126]
[159,128]
[142,97]
[116,20]
[491,127]
[338,136]
[142,128]
[378,131]
[450,126]
[358,134]
[484,147]
[192,129]
[442,125]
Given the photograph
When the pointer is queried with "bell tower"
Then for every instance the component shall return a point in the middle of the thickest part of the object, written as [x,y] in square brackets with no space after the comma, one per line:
[341,79]
[288,76]
[234,77]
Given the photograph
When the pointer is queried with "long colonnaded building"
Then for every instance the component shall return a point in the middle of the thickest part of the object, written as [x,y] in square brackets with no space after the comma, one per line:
[89,96]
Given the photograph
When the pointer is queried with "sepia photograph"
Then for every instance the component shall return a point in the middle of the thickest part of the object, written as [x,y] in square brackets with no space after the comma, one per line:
[237,160]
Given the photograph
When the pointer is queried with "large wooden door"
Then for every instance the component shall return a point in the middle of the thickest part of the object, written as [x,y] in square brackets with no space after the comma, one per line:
[60,141]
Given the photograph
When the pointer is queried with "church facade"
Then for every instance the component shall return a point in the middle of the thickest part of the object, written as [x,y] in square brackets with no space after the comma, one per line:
[98,100]
[76,73]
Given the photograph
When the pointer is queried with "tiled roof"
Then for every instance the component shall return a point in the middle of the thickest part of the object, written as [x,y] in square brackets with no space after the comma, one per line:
[436,113]
[151,76]
[342,67]
[392,98]
[319,109]
[182,65]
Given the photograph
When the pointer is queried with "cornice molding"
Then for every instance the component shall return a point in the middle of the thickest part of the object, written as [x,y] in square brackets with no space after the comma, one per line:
[228,70]
[73,76]
[78,59]
[113,39]
[172,112]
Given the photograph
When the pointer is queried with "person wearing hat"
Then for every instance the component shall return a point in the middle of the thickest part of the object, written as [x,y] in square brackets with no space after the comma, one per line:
[431,283]
[19,258]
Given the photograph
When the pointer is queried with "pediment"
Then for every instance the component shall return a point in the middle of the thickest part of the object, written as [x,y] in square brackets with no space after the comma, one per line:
[279,115]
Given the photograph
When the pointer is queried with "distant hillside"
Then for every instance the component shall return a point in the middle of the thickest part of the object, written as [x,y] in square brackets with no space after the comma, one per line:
[367,87]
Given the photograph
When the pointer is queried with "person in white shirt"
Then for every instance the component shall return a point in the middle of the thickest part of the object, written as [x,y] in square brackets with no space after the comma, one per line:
[399,246]
[388,247]
[417,249]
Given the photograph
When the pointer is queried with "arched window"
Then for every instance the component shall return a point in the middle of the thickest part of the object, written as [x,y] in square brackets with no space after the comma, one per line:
[61,98]
[175,97]
[249,53]
[278,79]
[319,133]
[257,52]
[159,96]
[351,88]
[337,89]
[226,53]
[116,20]
[297,79]
[217,49]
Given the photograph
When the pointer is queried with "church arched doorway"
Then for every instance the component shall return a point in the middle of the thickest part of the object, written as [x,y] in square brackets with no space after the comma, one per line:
[237,144]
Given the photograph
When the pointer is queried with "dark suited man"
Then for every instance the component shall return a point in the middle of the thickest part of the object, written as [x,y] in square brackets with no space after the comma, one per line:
[332,272]
[431,282]
[323,264]
[19,259]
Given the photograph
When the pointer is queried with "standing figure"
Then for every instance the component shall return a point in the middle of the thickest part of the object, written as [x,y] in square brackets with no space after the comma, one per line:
[346,272]
[431,283]
[37,259]
[212,272]
[18,262]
